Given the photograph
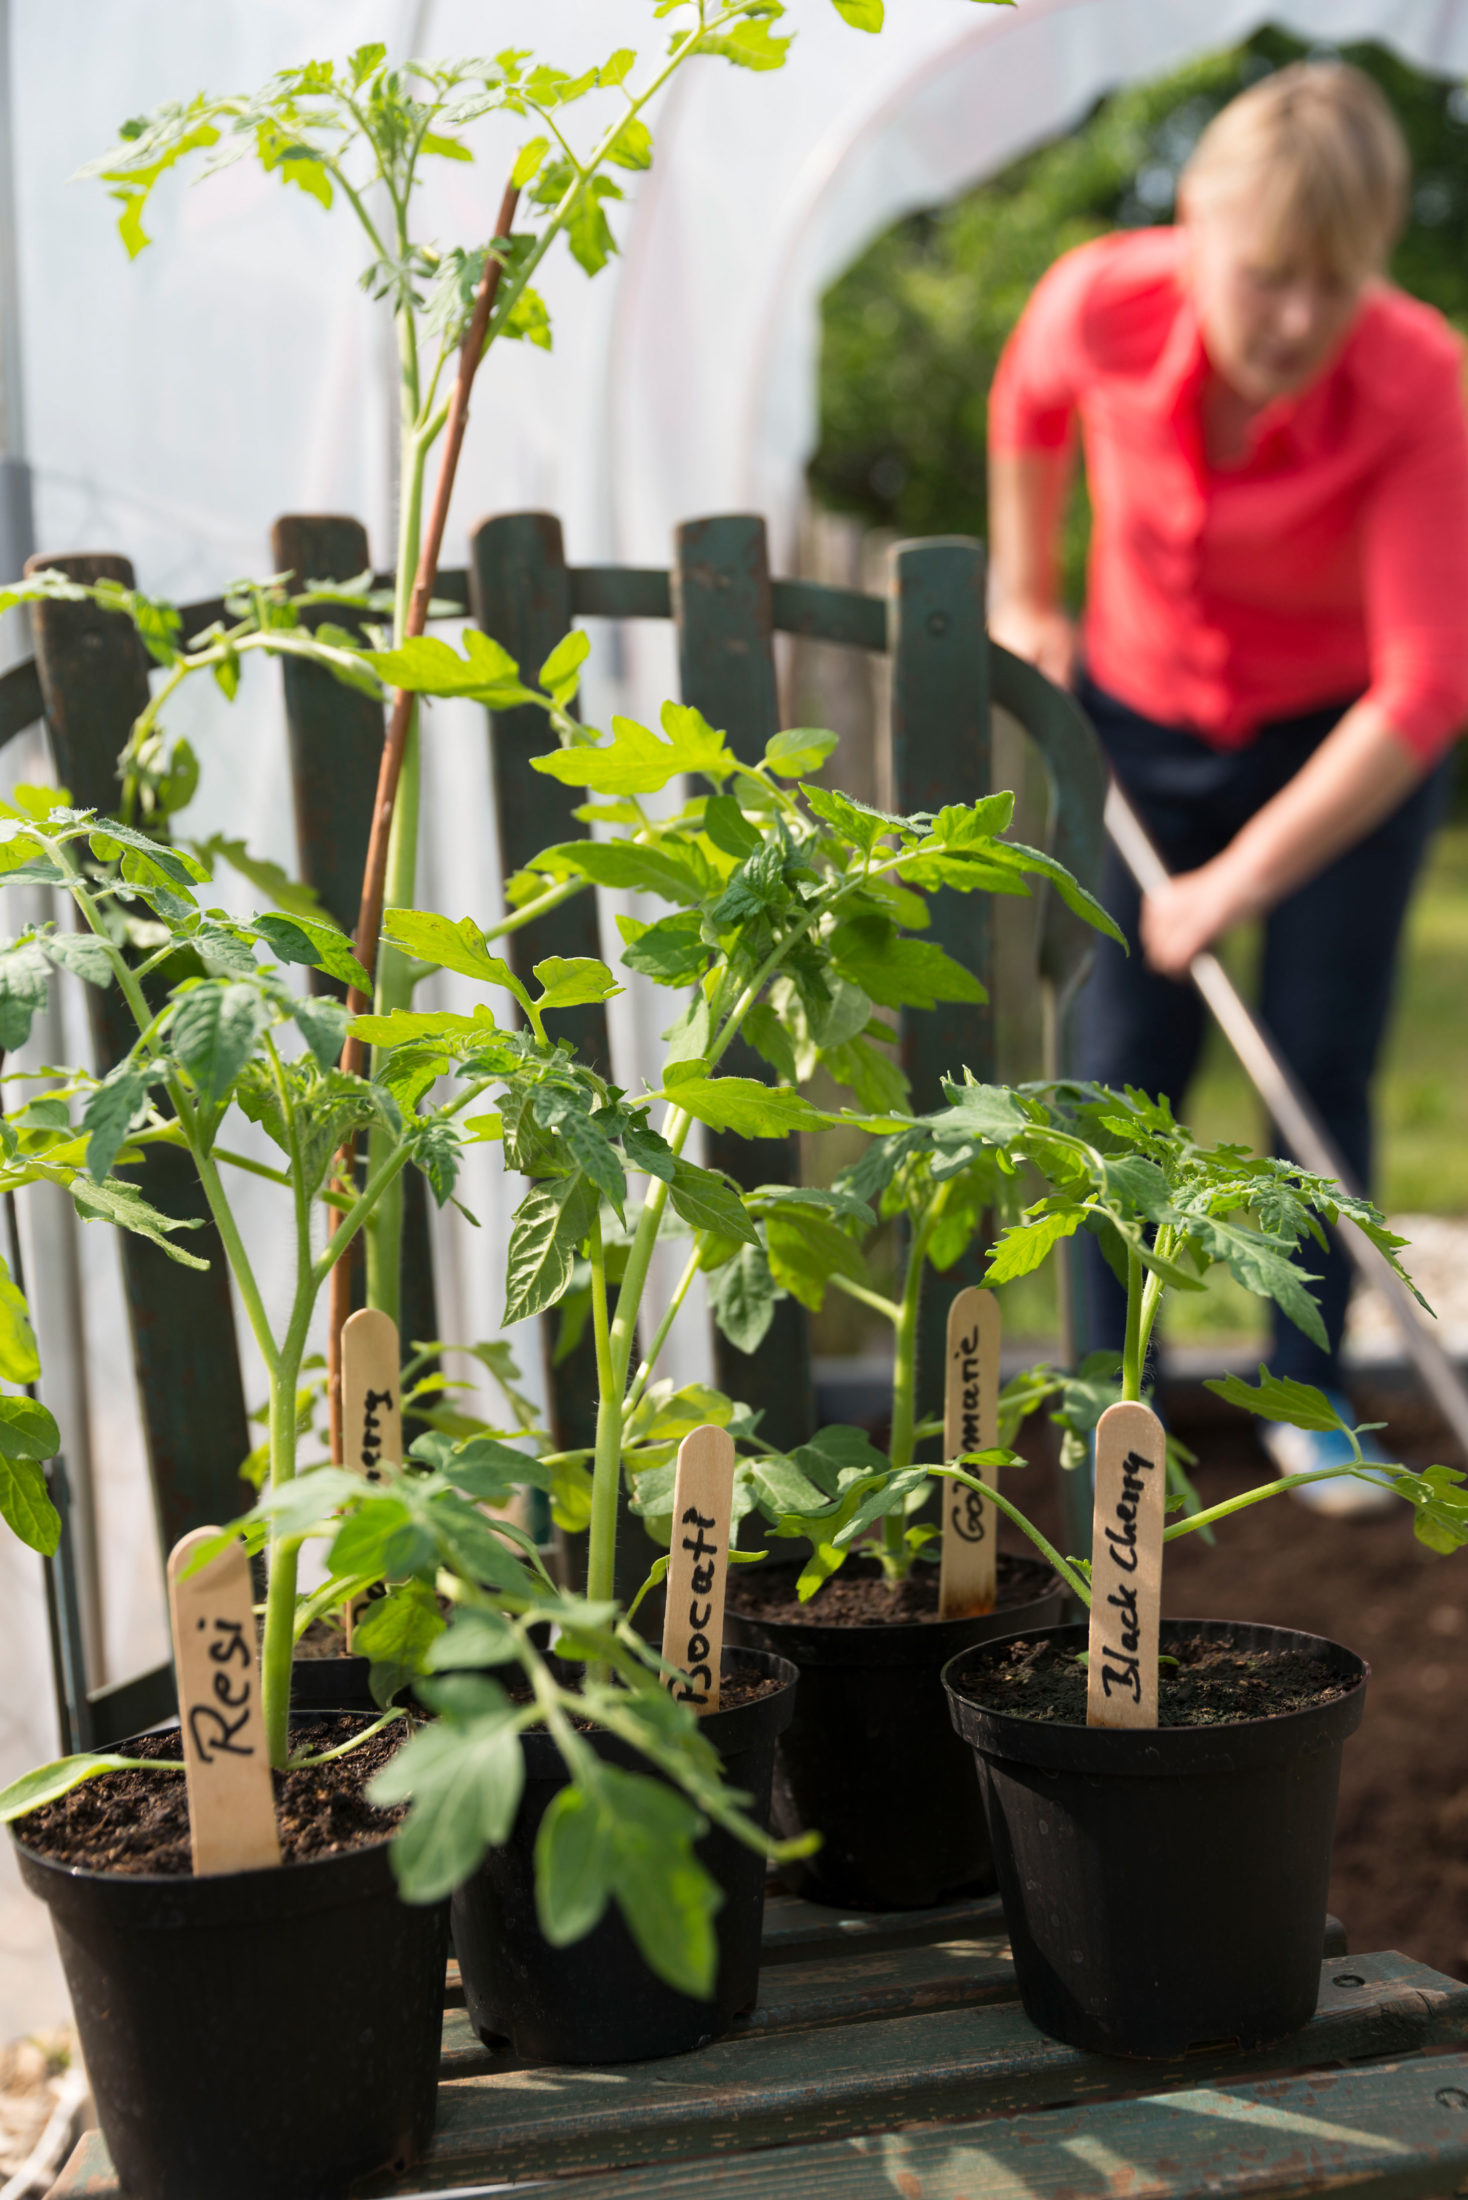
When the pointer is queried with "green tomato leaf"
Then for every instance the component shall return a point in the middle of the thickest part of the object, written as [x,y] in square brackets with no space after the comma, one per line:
[449,946]
[742,1296]
[27,1430]
[82,953]
[464,1777]
[110,1113]
[574,981]
[214,1032]
[572,1886]
[19,1360]
[676,871]
[24,979]
[427,665]
[1022,1248]
[898,972]
[549,1225]
[1279,1398]
[799,751]
[671,952]
[566,659]
[862,15]
[25,1504]
[47,1783]
[709,1201]
[635,761]
[315,942]
[125,1206]
[741,1104]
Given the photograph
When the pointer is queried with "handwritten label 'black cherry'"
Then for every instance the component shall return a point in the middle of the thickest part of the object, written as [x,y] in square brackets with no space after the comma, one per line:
[231,1794]
[966,1581]
[1126,1567]
[698,1565]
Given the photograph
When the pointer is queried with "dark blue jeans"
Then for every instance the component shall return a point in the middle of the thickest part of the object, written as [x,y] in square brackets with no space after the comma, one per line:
[1330,954]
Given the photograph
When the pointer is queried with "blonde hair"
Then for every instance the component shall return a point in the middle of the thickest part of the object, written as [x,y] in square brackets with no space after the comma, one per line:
[1322,154]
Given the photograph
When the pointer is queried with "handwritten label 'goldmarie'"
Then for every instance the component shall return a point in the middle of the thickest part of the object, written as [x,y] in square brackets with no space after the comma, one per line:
[372,1408]
[698,1565]
[966,1578]
[231,1794]
[1126,1567]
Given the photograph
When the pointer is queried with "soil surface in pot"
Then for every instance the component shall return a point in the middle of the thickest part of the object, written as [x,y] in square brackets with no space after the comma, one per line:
[743,1685]
[1400,1878]
[139,1821]
[859,1597]
[321,1640]
[1211,1685]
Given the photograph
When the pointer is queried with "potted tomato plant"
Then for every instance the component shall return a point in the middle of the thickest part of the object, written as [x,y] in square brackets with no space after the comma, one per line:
[1164,1882]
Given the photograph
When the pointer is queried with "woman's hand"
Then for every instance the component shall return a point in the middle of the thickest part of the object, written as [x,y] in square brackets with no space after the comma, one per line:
[1358,775]
[1040,634]
[1189,913]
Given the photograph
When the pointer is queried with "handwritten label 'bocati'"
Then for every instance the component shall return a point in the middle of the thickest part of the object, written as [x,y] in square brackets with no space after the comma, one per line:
[966,1581]
[1126,1567]
[226,1765]
[372,1407]
[698,1565]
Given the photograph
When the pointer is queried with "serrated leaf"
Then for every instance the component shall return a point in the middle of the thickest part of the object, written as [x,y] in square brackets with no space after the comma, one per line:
[25,1504]
[1279,1398]
[635,761]
[124,1205]
[799,751]
[464,1777]
[710,1202]
[1024,1246]
[109,1115]
[741,1104]
[671,952]
[461,947]
[24,982]
[322,1023]
[862,15]
[315,942]
[19,1360]
[572,1887]
[806,1250]
[548,1226]
[742,1297]
[427,665]
[574,981]
[899,972]
[677,872]
[566,659]
[82,953]
[214,1032]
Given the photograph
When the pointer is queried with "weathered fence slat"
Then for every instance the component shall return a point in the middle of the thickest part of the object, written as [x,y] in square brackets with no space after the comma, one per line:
[94,681]
[723,609]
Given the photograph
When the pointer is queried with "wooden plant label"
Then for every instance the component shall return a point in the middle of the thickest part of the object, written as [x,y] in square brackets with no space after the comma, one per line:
[966,1580]
[1126,1567]
[372,1407]
[698,1568]
[231,1796]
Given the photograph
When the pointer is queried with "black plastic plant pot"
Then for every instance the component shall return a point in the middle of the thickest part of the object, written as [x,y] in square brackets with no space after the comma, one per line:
[331,1684]
[871,1760]
[1165,1888]
[597,2001]
[256,2032]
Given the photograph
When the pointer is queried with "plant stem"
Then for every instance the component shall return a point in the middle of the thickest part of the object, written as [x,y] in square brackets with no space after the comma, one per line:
[606,1473]
[1194,1521]
[874,1299]
[1075,1582]
[901,1444]
[1135,1346]
[660,1337]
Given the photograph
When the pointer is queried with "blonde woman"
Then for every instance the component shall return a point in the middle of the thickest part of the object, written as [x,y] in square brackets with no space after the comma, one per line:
[1275,645]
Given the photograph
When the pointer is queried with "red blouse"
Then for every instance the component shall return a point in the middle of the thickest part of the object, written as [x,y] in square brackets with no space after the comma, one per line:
[1332,562]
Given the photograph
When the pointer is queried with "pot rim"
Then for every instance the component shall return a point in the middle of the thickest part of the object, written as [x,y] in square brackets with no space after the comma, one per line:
[1164,1750]
[83,1874]
[893,1641]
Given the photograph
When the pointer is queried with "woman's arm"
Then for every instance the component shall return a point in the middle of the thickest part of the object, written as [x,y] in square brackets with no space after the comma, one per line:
[1027,499]
[1359,774]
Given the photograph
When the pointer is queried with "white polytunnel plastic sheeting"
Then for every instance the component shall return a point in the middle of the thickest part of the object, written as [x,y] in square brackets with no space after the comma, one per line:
[172,407]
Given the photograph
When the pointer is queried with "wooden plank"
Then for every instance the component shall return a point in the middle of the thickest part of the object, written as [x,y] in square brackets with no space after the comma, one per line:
[94,682]
[856,1985]
[795,1928]
[726,668]
[820,613]
[621,592]
[770,2090]
[20,699]
[522,598]
[941,753]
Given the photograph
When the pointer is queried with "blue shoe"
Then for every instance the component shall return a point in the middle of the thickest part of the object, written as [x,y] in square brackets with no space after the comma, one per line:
[1309,1450]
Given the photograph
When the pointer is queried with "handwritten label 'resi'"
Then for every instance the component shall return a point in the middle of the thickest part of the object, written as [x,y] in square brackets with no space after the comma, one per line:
[226,1765]
[698,1565]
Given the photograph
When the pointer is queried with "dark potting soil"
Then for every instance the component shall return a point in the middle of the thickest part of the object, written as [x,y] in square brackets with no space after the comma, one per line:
[322,1640]
[859,1596]
[743,1685]
[139,1821]
[1211,1684]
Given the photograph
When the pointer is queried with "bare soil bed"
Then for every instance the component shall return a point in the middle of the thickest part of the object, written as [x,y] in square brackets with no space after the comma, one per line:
[1401,1855]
